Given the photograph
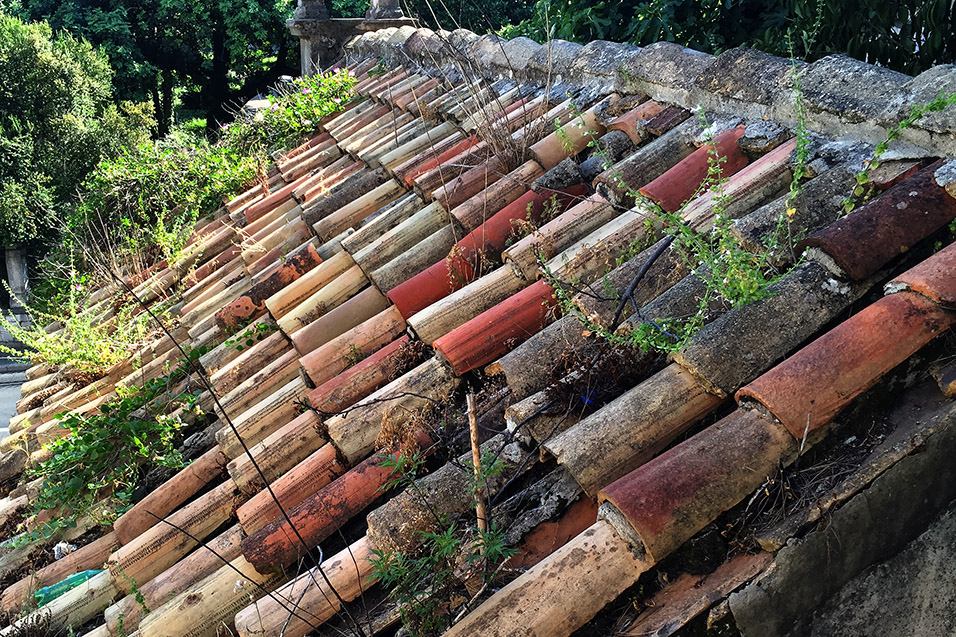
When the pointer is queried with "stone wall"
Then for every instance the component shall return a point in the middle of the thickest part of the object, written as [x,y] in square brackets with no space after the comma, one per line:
[15,269]
[841,96]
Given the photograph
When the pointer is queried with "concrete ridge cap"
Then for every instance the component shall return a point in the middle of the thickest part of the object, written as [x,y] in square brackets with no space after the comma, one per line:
[842,96]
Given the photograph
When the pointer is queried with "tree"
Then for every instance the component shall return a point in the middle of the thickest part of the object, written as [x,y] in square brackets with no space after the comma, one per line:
[215,54]
[57,120]
[908,36]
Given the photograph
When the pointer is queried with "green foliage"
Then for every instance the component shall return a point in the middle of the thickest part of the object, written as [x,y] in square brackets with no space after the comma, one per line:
[107,454]
[426,585]
[149,198]
[865,190]
[83,345]
[906,36]
[57,120]
[250,336]
[293,113]
[348,8]
[212,53]
[483,17]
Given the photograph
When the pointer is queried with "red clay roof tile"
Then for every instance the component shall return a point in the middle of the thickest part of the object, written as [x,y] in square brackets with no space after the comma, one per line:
[360,380]
[808,389]
[320,514]
[307,477]
[169,496]
[934,278]
[495,331]
[328,359]
[666,120]
[678,493]
[632,122]
[866,239]
[679,184]
[252,304]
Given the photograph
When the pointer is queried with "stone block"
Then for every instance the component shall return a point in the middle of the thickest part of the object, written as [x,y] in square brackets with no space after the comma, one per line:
[747,75]
[762,136]
[482,53]
[416,44]
[461,39]
[923,89]
[663,70]
[397,39]
[553,60]
[854,91]
[598,64]
[512,57]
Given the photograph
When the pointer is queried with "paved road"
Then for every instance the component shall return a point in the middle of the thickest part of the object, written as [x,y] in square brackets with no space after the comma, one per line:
[9,395]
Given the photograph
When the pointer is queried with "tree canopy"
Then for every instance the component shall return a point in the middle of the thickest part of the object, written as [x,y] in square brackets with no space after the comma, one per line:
[215,55]
[57,120]
[907,36]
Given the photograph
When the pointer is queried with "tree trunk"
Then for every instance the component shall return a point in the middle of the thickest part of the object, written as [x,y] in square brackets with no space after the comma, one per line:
[215,92]
[164,116]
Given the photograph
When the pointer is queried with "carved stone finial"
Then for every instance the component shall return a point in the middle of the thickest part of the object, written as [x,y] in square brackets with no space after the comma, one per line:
[311,10]
[384,10]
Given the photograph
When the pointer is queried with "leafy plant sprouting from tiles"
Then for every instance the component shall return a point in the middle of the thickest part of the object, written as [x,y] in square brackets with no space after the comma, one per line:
[865,189]
[94,471]
[427,586]
[521,228]
[83,346]
[732,275]
[252,335]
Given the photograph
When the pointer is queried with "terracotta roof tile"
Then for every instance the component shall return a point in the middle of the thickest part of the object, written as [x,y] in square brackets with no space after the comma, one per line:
[306,478]
[648,163]
[329,358]
[191,569]
[633,121]
[349,573]
[495,331]
[448,275]
[303,322]
[163,501]
[277,453]
[867,238]
[476,210]
[679,183]
[808,389]
[667,119]
[360,380]
[274,410]
[631,429]
[252,305]
[673,496]
[934,278]
[320,514]
[740,345]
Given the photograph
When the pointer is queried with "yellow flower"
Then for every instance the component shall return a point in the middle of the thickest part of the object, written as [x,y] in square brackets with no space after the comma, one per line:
[791,212]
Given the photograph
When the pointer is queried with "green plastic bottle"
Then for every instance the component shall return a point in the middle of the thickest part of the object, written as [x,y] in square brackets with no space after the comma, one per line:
[48,593]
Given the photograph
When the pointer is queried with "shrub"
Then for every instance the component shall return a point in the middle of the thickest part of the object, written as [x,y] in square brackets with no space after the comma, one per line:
[145,202]
[57,120]
[107,454]
[293,112]
[82,344]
